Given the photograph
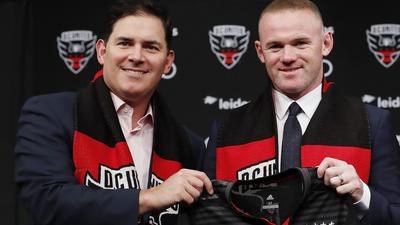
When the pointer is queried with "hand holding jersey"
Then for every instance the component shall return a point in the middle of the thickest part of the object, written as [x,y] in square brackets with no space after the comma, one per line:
[294,196]
[185,186]
[341,176]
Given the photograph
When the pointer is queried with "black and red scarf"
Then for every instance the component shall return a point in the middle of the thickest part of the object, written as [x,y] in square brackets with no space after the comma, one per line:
[101,155]
[247,142]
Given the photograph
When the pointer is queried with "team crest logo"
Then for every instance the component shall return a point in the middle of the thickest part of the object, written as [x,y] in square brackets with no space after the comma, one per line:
[126,178]
[262,169]
[122,178]
[75,48]
[229,43]
[384,42]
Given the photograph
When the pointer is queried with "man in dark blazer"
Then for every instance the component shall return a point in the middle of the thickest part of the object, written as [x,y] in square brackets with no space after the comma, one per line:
[301,120]
[111,153]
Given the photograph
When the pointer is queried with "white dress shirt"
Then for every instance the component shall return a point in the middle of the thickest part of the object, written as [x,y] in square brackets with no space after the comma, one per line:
[139,137]
[308,104]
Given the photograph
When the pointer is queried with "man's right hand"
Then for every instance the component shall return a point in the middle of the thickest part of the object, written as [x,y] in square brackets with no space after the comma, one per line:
[185,186]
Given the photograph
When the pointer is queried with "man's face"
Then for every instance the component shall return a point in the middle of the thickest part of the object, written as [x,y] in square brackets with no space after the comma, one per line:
[135,57]
[292,46]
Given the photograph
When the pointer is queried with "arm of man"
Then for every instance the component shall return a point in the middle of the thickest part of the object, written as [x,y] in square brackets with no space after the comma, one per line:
[384,182]
[185,186]
[45,170]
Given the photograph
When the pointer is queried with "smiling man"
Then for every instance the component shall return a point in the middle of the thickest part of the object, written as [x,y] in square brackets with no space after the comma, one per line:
[301,120]
[111,153]
[292,52]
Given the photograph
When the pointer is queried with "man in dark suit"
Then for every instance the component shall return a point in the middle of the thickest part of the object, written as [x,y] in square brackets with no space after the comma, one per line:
[111,153]
[303,121]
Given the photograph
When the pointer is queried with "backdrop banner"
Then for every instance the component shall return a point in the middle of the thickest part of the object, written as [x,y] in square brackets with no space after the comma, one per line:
[216,67]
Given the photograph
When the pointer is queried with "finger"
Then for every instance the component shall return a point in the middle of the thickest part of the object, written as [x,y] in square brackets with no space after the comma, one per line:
[206,182]
[194,181]
[352,181]
[187,197]
[346,173]
[328,163]
[332,172]
[325,164]
[189,176]
[336,181]
[346,188]
[193,192]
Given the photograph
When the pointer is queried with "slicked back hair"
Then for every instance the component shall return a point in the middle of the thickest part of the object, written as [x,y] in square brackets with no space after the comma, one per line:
[123,8]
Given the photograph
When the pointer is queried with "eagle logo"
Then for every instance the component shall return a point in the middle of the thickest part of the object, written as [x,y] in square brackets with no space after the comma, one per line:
[229,43]
[75,48]
[384,42]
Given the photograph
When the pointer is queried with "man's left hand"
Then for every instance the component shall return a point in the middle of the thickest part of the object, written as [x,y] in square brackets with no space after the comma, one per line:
[341,176]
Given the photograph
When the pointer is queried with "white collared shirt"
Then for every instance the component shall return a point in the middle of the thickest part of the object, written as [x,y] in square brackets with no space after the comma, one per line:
[308,104]
[139,138]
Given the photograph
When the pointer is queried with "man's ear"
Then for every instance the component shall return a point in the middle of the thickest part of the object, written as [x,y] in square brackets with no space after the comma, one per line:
[259,50]
[100,50]
[170,61]
[327,44]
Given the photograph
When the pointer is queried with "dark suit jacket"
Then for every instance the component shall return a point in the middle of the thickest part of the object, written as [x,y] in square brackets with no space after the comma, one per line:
[384,181]
[45,169]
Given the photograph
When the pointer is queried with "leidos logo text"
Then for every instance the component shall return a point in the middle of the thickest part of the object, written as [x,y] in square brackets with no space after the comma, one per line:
[389,102]
[225,104]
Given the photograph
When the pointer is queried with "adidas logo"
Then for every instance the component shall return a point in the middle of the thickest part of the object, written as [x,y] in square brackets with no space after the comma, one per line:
[270,198]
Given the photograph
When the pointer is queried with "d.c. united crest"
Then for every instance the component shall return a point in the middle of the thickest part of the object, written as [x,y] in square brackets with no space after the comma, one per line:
[75,48]
[229,43]
[384,42]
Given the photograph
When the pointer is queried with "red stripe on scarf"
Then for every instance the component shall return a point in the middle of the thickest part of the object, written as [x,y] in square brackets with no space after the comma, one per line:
[360,158]
[230,159]
[164,168]
[90,153]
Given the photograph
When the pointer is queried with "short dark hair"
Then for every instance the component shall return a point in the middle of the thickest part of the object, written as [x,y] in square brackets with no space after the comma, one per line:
[123,8]
[278,5]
